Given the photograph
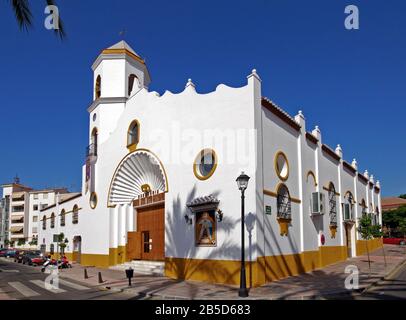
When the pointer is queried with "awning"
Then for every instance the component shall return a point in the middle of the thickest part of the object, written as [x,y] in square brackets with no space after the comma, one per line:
[17,194]
[17,216]
[16,229]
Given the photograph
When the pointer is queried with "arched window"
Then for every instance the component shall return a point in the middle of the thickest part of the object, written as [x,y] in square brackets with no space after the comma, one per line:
[44,222]
[133,83]
[348,206]
[133,135]
[363,208]
[52,220]
[284,206]
[332,200]
[93,143]
[75,214]
[97,87]
[63,214]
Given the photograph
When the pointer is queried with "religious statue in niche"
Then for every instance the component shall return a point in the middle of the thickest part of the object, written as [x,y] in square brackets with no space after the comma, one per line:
[205,229]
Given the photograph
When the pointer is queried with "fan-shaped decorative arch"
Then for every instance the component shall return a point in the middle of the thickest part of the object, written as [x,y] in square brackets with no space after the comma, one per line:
[137,169]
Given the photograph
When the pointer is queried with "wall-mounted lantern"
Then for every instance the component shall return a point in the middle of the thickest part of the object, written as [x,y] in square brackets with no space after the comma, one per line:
[219,215]
[188,219]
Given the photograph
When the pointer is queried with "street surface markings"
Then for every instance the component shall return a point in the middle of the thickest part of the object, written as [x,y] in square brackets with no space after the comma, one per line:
[41,284]
[9,270]
[72,285]
[24,290]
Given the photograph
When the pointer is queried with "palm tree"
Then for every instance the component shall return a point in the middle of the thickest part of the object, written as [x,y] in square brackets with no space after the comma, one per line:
[23,15]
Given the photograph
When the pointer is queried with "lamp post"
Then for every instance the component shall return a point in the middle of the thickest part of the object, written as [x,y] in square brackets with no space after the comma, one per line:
[242,182]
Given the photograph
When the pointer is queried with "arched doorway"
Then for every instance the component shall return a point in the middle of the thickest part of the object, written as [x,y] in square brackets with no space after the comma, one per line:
[77,248]
[138,188]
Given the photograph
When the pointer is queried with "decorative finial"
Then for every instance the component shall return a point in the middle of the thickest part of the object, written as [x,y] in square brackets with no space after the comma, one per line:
[190,83]
[254,74]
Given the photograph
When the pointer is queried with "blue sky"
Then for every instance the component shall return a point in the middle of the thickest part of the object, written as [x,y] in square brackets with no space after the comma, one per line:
[350,83]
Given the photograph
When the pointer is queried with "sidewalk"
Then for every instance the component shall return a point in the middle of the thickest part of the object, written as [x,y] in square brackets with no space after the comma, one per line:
[318,284]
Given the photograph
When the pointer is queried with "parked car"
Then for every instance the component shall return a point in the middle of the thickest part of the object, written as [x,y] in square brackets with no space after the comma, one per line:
[10,253]
[3,252]
[34,257]
[398,241]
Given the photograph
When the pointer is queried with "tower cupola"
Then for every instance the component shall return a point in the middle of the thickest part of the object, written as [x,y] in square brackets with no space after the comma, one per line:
[119,72]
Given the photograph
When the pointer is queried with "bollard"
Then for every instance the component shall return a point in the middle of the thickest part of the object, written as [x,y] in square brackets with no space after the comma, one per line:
[129,274]
[100,278]
[86,276]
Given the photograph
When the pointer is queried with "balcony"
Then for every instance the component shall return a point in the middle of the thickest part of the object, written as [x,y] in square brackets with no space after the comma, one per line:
[18,209]
[17,220]
[91,150]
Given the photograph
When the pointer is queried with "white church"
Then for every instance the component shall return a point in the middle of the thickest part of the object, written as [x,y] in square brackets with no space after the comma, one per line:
[159,183]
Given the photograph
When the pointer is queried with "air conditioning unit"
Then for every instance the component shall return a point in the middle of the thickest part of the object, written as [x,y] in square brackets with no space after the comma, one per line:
[318,203]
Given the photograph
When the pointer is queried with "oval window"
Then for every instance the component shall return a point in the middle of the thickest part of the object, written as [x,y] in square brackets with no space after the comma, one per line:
[282,166]
[205,164]
[93,200]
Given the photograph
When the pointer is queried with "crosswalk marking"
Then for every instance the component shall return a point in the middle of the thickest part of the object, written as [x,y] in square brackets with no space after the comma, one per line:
[9,270]
[24,290]
[72,285]
[41,284]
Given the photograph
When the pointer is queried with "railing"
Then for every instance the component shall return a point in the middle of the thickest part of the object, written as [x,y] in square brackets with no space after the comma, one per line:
[91,150]
[18,209]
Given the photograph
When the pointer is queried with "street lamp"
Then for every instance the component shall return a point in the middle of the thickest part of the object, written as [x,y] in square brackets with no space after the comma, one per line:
[242,182]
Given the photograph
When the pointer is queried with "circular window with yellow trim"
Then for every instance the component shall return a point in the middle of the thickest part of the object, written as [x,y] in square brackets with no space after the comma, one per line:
[205,164]
[93,200]
[282,166]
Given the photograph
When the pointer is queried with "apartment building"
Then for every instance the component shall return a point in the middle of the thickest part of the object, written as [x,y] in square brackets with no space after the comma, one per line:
[20,206]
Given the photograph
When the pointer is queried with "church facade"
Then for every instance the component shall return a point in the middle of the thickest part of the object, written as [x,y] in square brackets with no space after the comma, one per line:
[159,183]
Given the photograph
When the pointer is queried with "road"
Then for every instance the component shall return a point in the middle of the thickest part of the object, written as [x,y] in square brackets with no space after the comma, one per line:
[22,282]
[393,288]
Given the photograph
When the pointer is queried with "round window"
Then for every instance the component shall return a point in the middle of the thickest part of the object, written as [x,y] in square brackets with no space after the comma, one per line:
[282,166]
[93,200]
[205,164]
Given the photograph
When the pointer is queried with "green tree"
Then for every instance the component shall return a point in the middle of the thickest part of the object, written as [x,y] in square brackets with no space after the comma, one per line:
[62,242]
[402,228]
[393,218]
[21,242]
[403,196]
[367,231]
[22,12]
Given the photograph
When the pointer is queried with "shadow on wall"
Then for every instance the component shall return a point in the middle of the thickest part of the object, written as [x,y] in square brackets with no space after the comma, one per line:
[272,264]
[208,269]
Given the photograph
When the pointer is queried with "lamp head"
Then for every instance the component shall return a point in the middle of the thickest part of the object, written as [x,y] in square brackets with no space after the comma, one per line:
[242,181]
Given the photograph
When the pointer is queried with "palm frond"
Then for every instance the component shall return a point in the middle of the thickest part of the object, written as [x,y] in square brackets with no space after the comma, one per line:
[22,12]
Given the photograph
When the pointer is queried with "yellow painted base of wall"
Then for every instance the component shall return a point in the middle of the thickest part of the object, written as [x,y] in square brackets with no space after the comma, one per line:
[264,270]
[69,256]
[373,244]
[97,260]
[117,255]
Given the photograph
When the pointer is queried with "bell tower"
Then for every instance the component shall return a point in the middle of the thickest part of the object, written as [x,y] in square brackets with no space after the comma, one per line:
[119,72]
